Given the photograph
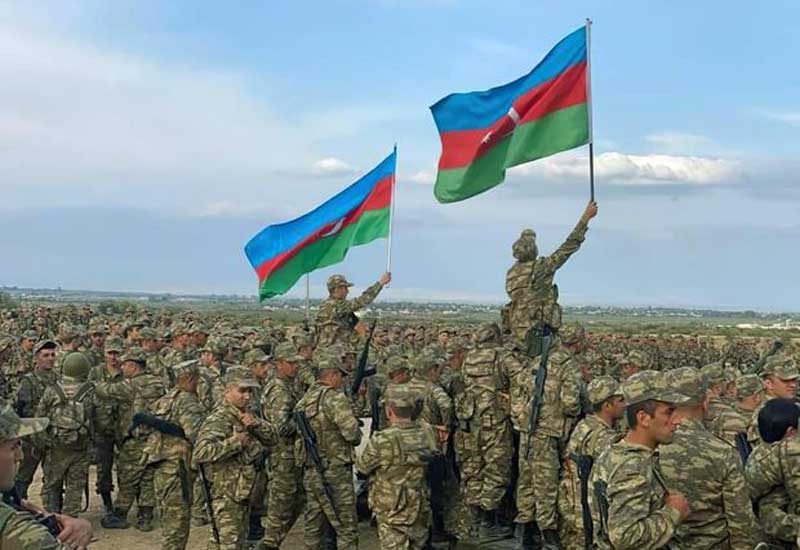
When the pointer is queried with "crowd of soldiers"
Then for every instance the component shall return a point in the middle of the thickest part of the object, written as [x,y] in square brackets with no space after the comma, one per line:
[529,431]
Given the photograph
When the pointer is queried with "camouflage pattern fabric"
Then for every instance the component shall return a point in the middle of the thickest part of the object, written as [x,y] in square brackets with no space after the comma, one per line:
[21,530]
[333,323]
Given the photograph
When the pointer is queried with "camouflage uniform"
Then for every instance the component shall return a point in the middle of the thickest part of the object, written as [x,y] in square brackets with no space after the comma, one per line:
[483,409]
[775,491]
[529,283]
[330,415]
[335,317]
[736,419]
[68,404]
[590,438]
[637,516]
[708,472]
[170,457]
[231,466]
[396,458]
[30,391]
[133,395]
[286,498]
[778,366]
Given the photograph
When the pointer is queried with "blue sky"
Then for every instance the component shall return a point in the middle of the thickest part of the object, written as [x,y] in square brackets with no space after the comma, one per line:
[143,143]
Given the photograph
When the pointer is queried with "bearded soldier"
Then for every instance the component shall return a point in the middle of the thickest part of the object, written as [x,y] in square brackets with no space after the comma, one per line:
[336,318]
[529,282]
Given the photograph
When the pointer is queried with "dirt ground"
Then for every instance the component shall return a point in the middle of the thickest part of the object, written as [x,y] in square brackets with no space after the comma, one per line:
[132,539]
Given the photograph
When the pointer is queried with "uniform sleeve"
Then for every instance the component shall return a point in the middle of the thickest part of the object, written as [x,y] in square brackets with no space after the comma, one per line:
[631,524]
[569,247]
[343,417]
[773,518]
[736,503]
[763,470]
[25,399]
[444,404]
[190,419]
[119,391]
[215,443]
[366,298]
[570,394]
[23,532]
[369,461]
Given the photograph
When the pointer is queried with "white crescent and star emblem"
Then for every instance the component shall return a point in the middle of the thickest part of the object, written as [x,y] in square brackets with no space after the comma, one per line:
[334,229]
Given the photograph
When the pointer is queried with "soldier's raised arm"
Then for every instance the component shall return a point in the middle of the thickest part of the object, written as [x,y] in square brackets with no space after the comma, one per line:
[369,295]
[574,239]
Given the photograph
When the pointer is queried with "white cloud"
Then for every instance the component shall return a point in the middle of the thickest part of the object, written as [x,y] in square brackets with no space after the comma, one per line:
[679,141]
[791,118]
[424,177]
[331,166]
[625,169]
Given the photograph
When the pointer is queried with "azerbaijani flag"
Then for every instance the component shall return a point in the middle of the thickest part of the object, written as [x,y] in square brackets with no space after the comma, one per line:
[284,252]
[542,113]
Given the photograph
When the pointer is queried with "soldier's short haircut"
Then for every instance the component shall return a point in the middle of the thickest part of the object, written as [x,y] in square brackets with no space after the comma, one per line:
[777,416]
[648,406]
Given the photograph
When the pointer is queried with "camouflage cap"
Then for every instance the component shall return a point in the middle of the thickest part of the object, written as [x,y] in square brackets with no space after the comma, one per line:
[97,328]
[44,344]
[68,332]
[401,399]
[285,351]
[781,366]
[30,335]
[12,426]
[335,281]
[198,328]
[747,385]
[114,344]
[186,368]
[330,362]
[303,339]
[395,363]
[601,388]
[337,349]
[689,382]
[255,356]
[572,333]
[427,360]
[217,346]
[240,376]
[135,354]
[487,332]
[148,333]
[647,385]
[5,343]
[714,373]
[638,359]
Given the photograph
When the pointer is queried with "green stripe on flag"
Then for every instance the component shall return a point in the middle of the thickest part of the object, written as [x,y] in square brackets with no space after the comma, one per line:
[559,131]
[373,224]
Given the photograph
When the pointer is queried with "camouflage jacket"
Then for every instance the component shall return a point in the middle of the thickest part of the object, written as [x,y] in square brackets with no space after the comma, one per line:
[334,319]
[137,394]
[278,400]
[591,437]
[330,415]
[182,409]
[708,472]
[31,389]
[752,427]
[69,404]
[716,408]
[434,406]
[776,465]
[637,516]
[95,355]
[231,466]
[21,530]
[729,423]
[397,459]
[106,409]
[210,386]
[485,401]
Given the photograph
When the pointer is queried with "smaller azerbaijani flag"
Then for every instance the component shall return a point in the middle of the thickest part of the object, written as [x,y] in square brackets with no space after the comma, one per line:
[284,252]
[540,114]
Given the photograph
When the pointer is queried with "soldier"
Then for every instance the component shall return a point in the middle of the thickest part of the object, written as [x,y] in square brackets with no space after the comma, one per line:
[397,459]
[286,498]
[230,445]
[31,389]
[529,282]
[707,471]
[96,352]
[634,506]
[336,317]
[6,369]
[68,406]
[22,362]
[558,411]
[330,416]
[136,393]
[483,410]
[105,420]
[155,362]
[306,373]
[717,385]
[780,376]
[593,435]
[212,370]
[169,454]
[735,420]
[70,339]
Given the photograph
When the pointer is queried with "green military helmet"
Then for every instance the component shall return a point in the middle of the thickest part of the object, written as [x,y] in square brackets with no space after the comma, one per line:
[689,382]
[76,365]
[336,281]
[572,333]
[602,388]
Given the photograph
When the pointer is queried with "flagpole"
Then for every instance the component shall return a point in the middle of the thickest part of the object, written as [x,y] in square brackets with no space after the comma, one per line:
[391,217]
[589,103]
[308,294]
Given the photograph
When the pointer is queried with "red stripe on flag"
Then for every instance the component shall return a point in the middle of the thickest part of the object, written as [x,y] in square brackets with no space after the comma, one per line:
[462,147]
[379,198]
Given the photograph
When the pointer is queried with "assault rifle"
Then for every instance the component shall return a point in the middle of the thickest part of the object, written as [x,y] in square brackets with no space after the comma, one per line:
[584,465]
[312,451]
[538,389]
[362,371]
[776,346]
[743,446]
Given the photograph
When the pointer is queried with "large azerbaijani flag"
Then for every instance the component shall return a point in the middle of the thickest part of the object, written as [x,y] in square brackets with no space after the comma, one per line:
[284,252]
[542,113]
